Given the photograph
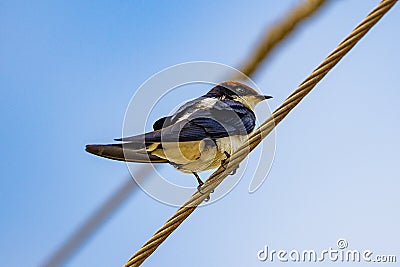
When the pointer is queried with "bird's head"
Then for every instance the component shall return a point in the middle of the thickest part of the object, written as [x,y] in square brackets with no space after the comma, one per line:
[237,92]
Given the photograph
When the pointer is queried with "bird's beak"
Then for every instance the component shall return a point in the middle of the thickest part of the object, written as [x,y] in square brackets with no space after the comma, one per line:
[252,100]
[263,97]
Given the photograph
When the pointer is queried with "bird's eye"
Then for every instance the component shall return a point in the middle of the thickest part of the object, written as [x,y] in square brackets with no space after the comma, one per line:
[240,90]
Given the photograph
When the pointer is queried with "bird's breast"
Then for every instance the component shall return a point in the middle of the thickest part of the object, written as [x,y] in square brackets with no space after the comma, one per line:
[230,144]
[196,156]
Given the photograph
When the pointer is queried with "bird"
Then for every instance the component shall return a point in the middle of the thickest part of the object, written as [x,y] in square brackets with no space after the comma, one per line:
[201,135]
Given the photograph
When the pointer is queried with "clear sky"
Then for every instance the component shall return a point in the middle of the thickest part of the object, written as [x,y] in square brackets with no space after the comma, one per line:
[68,70]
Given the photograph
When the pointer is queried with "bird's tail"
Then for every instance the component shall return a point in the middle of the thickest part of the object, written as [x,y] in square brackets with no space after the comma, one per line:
[123,152]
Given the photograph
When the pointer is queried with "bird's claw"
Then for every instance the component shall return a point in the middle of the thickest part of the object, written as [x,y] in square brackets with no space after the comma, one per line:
[199,190]
[200,185]
[227,155]
[223,162]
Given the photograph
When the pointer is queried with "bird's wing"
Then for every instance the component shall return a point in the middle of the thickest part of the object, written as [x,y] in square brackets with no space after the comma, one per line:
[184,109]
[162,122]
[224,119]
[169,120]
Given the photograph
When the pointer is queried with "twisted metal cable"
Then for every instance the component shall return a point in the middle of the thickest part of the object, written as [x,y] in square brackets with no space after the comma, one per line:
[256,137]
[278,32]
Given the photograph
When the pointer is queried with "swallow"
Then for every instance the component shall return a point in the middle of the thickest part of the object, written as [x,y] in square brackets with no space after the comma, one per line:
[201,135]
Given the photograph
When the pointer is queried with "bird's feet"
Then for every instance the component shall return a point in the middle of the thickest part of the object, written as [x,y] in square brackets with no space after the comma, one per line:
[234,171]
[200,185]
[223,162]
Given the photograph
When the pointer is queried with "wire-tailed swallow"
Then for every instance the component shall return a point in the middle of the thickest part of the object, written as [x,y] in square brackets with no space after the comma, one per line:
[199,136]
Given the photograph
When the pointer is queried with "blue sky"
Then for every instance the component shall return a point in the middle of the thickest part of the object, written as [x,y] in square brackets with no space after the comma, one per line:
[68,70]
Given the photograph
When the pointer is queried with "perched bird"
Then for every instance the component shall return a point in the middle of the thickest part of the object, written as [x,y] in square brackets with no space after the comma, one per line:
[199,136]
